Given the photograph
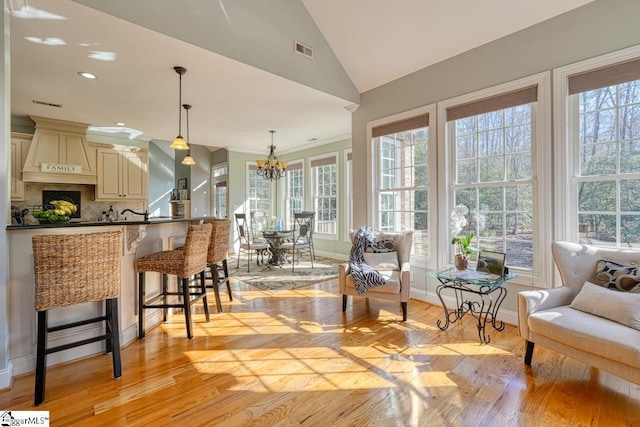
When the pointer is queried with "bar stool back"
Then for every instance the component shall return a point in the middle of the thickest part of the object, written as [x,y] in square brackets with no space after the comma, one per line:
[75,269]
[183,263]
[217,257]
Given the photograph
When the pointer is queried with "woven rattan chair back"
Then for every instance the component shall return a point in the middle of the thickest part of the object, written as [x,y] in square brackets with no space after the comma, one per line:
[196,248]
[219,245]
[76,268]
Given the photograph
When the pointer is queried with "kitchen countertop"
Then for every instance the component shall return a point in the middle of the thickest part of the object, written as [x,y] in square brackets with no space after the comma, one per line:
[158,220]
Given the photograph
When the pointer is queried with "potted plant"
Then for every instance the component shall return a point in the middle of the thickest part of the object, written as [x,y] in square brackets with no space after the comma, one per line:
[462,243]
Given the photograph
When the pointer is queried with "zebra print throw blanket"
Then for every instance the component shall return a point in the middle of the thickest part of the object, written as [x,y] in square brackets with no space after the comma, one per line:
[364,277]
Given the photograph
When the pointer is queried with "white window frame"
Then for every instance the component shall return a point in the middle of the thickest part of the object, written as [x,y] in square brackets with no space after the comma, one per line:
[312,195]
[418,261]
[348,194]
[540,274]
[565,117]
[285,191]
[249,199]
[214,194]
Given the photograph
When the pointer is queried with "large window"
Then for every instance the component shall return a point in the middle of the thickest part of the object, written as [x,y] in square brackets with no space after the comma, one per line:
[497,167]
[493,176]
[324,176]
[259,191]
[402,182]
[603,123]
[294,190]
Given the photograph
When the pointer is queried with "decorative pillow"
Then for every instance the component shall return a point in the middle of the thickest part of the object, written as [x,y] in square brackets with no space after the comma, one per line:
[382,261]
[610,274]
[382,243]
[621,307]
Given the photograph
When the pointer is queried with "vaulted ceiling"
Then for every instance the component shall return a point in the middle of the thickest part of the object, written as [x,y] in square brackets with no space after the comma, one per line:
[244,76]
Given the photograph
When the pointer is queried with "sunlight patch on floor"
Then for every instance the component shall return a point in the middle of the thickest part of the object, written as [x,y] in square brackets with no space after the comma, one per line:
[315,368]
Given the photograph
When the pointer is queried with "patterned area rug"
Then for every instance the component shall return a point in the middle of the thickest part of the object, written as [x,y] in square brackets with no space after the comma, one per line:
[268,277]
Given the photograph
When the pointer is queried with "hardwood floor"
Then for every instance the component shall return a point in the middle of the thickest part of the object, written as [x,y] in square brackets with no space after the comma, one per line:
[292,357]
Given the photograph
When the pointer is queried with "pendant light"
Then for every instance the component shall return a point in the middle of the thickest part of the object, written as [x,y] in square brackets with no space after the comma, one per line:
[179,143]
[271,168]
[188,160]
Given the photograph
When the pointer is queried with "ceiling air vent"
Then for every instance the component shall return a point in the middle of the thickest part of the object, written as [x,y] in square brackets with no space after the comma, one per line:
[48,104]
[303,49]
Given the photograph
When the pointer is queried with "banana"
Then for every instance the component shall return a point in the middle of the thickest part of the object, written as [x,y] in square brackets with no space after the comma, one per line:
[62,207]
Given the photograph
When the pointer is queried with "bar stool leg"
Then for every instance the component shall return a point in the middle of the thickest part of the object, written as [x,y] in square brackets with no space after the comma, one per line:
[203,290]
[141,302]
[187,306]
[226,277]
[165,288]
[41,358]
[113,343]
[216,285]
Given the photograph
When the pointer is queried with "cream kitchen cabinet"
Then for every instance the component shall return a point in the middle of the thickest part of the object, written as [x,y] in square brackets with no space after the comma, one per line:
[19,147]
[121,175]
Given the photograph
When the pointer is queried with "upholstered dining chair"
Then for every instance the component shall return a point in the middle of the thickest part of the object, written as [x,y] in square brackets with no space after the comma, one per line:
[247,242]
[302,237]
[390,257]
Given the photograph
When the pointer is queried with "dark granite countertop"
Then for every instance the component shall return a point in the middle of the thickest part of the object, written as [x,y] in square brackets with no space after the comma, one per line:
[158,220]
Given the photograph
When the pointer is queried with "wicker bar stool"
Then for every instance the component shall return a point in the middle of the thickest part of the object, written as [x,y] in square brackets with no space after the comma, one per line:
[217,257]
[183,264]
[74,269]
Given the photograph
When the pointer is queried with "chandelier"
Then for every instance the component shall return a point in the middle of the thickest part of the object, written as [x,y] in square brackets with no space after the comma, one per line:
[188,160]
[271,168]
[179,143]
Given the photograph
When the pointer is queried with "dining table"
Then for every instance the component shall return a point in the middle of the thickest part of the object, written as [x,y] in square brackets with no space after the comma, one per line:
[275,239]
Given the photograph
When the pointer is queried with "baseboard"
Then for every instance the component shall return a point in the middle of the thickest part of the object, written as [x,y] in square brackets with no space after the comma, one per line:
[6,376]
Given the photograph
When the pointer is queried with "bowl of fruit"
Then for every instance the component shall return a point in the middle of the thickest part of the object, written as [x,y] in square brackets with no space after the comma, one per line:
[58,211]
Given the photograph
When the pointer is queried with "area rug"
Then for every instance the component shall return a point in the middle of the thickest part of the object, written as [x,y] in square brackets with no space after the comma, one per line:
[270,278]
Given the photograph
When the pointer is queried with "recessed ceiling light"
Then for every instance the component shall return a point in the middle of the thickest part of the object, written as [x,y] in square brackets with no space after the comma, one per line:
[87,75]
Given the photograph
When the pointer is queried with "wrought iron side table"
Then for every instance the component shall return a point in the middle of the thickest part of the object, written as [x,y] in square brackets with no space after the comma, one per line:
[484,309]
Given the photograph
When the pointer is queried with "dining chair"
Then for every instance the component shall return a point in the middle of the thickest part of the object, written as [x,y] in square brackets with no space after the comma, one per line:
[302,237]
[247,242]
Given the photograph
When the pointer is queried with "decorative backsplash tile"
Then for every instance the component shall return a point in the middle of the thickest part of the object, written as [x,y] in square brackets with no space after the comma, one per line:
[91,210]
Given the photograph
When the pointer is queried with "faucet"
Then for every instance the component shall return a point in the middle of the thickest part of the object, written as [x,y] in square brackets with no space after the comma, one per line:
[145,213]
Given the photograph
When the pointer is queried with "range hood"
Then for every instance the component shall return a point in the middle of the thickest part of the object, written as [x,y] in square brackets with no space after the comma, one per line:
[59,154]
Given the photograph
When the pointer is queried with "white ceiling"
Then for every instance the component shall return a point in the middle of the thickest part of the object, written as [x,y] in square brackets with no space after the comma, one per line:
[235,104]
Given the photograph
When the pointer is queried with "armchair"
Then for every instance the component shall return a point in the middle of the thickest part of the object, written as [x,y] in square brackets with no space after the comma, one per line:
[397,277]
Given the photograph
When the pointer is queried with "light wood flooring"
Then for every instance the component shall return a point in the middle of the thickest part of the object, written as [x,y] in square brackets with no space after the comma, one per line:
[287,358]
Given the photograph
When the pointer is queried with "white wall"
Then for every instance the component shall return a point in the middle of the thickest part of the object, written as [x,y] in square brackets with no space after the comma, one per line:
[161,179]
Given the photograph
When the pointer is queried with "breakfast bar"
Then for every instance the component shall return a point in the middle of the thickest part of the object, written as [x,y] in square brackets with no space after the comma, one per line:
[140,238]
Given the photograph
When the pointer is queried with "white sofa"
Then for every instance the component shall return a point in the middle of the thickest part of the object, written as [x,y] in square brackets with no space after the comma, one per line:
[545,317]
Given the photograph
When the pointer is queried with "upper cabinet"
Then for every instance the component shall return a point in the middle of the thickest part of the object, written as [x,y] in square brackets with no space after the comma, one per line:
[122,174]
[59,153]
[19,147]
